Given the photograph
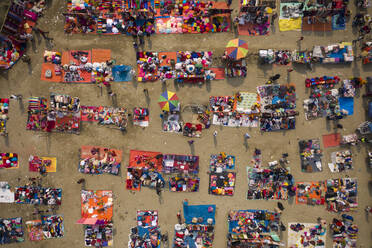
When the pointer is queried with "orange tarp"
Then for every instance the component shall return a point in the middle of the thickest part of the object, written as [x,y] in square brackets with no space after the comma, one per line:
[51,67]
[101,55]
[65,58]
[167,60]
[85,152]
[220,5]
[220,72]
[144,159]
[97,204]
[331,140]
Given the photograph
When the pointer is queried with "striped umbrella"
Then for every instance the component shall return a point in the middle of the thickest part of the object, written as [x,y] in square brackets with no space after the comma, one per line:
[168,101]
[236,49]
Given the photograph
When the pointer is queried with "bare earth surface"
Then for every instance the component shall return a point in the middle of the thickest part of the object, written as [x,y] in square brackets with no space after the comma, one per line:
[26,81]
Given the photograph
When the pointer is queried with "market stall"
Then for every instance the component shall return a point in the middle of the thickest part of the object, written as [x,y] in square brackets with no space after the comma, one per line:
[180,164]
[62,114]
[98,160]
[96,216]
[344,232]
[302,57]
[17,23]
[96,205]
[52,226]
[277,107]
[242,109]
[341,195]
[306,235]
[113,117]
[198,227]
[4,108]
[233,58]
[141,117]
[366,52]
[6,194]
[277,57]
[184,184]
[310,193]
[222,183]
[99,235]
[144,170]
[147,232]
[8,160]
[253,18]
[341,161]
[270,183]
[38,195]
[171,116]
[221,162]
[334,53]
[311,155]
[42,164]
[250,228]
[109,17]
[11,231]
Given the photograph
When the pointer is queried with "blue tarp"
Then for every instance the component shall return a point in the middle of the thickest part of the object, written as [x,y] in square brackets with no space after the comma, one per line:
[370,109]
[347,103]
[277,99]
[341,24]
[191,211]
[121,73]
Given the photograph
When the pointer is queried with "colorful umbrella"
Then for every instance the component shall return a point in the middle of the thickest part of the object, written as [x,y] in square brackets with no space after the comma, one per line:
[168,101]
[237,49]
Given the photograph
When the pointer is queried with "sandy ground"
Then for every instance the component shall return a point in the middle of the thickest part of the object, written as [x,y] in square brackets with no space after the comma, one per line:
[26,81]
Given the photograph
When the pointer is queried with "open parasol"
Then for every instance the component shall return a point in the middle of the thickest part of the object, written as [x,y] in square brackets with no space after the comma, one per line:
[169,101]
[236,49]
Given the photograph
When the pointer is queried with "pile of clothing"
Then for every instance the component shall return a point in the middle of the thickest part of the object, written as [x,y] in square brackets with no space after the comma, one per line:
[251,227]
[38,195]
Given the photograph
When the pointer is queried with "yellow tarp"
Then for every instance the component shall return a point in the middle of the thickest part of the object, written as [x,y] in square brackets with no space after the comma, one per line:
[290,24]
[53,165]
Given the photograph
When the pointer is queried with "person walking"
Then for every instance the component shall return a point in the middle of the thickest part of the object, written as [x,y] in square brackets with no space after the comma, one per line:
[135,45]
[43,33]
[146,92]
[26,59]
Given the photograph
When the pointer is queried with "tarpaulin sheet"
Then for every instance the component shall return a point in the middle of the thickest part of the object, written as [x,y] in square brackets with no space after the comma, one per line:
[290,24]
[338,26]
[101,55]
[191,211]
[143,159]
[34,165]
[121,73]
[97,204]
[347,103]
[331,140]
[220,72]
[87,221]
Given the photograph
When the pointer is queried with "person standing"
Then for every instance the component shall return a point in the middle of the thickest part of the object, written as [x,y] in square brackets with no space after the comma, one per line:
[273,17]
